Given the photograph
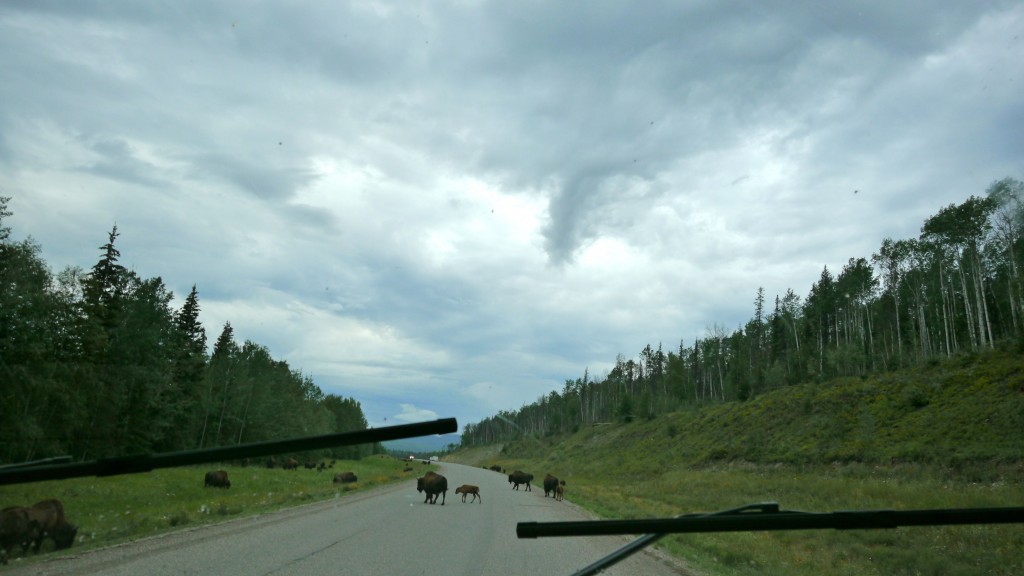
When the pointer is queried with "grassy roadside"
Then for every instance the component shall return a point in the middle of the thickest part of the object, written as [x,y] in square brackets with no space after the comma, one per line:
[928,550]
[949,435]
[123,508]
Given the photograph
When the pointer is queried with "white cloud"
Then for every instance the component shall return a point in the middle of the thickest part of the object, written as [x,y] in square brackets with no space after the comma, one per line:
[453,209]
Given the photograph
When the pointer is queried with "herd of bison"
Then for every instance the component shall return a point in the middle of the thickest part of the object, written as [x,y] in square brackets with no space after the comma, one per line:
[29,526]
[434,484]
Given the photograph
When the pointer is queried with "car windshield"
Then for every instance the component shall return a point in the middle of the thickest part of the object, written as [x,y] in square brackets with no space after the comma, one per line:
[681,257]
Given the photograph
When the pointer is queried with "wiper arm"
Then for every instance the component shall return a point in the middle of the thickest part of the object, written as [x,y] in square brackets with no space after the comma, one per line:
[148,462]
[759,517]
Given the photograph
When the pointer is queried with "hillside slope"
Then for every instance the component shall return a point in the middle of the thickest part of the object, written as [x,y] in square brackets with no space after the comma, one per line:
[950,435]
[966,410]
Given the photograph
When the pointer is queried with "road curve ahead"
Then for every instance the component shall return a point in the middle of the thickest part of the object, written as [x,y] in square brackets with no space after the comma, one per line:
[388,531]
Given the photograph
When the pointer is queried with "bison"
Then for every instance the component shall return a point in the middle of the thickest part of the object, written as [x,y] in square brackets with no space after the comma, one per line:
[433,484]
[291,464]
[50,522]
[217,479]
[467,489]
[16,528]
[345,478]
[550,483]
[560,491]
[518,477]
[496,468]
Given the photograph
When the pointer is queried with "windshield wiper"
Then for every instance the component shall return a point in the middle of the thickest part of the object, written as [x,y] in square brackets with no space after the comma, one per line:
[765,516]
[147,462]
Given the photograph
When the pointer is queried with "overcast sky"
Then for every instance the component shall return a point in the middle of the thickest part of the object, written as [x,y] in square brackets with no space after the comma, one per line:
[446,209]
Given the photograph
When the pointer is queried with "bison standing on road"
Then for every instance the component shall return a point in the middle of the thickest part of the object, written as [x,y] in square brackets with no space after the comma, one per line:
[467,489]
[433,484]
[345,478]
[50,522]
[550,483]
[518,477]
[217,479]
[560,491]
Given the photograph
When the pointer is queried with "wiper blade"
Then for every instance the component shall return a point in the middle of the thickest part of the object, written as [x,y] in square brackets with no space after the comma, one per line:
[147,462]
[774,519]
[759,517]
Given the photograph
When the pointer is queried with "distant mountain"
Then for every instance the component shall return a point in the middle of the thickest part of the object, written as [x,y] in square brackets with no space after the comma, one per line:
[433,443]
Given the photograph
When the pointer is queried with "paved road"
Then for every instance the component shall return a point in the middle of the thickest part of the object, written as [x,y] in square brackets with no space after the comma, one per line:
[389,531]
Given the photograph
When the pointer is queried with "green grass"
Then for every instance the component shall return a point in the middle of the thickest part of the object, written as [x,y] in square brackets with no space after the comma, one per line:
[948,436]
[121,508]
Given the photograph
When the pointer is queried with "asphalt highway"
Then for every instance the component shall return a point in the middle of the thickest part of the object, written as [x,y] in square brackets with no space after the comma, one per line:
[388,531]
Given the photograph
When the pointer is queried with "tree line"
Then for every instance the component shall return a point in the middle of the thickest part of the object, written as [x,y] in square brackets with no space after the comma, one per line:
[955,288]
[97,364]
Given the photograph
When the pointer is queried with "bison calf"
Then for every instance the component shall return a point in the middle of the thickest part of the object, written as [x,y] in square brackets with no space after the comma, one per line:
[217,479]
[467,489]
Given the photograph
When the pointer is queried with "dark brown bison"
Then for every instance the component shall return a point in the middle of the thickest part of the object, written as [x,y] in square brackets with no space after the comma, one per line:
[467,489]
[271,462]
[217,479]
[496,468]
[518,477]
[291,464]
[50,522]
[309,465]
[550,483]
[560,492]
[345,478]
[16,529]
[433,484]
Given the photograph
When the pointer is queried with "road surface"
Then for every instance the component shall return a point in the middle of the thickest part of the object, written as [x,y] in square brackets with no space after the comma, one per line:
[387,531]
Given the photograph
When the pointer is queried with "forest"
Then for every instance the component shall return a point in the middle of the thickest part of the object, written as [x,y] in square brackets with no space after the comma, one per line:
[955,289]
[97,364]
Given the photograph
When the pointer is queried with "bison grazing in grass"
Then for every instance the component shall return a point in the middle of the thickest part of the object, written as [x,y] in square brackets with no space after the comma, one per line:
[550,483]
[50,522]
[518,477]
[467,489]
[217,479]
[433,484]
[30,526]
[345,478]
[16,529]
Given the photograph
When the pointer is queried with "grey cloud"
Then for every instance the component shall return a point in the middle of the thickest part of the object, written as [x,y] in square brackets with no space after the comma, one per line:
[648,125]
[266,182]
